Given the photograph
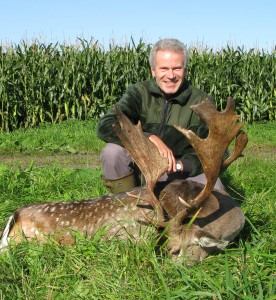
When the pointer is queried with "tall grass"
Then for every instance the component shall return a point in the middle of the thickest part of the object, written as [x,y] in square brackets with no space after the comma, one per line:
[54,82]
[50,83]
[248,76]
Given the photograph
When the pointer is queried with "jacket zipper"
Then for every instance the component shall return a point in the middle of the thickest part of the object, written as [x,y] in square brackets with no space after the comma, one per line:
[164,119]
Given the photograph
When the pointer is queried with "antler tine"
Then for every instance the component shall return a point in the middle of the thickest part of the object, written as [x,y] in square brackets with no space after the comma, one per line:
[240,144]
[145,154]
[223,128]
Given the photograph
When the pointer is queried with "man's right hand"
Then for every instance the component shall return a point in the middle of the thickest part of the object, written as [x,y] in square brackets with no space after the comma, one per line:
[164,152]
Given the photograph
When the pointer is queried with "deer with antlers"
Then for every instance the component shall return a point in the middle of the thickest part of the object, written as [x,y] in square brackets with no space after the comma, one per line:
[198,219]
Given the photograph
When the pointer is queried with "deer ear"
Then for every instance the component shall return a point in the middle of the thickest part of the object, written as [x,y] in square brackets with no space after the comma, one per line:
[206,240]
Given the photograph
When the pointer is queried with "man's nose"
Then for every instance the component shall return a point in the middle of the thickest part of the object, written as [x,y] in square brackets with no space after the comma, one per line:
[170,74]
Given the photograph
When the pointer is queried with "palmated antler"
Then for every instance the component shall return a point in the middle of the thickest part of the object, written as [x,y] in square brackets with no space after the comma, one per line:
[223,128]
[146,156]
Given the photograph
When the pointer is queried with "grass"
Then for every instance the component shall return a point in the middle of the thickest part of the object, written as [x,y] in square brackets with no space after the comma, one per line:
[67,137]
[94,269]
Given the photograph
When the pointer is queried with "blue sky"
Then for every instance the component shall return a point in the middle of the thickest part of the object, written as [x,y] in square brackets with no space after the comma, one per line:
[213,23]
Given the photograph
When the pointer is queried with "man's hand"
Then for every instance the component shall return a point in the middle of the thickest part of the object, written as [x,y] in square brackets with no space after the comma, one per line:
[164,152]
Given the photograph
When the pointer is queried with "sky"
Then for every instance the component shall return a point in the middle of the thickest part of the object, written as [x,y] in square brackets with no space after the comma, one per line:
[201,23]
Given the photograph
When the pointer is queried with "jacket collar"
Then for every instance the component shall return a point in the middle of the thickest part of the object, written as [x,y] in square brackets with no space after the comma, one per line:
[181,96]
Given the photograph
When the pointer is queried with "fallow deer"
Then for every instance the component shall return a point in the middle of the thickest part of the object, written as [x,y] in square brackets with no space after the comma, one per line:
[218,219]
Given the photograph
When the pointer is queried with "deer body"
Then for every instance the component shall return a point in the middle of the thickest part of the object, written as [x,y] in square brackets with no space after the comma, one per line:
[61,219]
[123,216]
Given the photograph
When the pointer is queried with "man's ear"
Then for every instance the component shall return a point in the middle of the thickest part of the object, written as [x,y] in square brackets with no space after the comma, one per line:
[152,71]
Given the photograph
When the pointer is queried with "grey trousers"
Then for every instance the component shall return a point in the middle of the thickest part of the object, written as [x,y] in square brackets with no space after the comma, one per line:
[116,163]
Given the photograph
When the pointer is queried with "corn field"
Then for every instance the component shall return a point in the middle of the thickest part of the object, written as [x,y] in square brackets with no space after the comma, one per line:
[55,82]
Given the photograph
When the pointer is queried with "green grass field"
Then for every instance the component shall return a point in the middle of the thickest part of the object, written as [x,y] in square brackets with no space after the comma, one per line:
[60,162]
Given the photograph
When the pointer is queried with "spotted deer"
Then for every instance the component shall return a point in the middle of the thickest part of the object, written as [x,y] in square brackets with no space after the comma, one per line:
[198,219]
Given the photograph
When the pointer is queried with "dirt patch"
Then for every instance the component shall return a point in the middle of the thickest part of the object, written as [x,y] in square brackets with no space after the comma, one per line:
[77,161]
[65,161]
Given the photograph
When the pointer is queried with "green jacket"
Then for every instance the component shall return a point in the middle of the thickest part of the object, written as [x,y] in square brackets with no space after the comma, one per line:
[144,101]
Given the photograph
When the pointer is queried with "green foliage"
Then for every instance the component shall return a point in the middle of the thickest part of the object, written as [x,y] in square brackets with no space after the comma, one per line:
[249,77]
[51,83]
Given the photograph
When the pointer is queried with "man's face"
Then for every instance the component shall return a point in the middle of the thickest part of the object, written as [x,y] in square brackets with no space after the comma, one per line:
[169,71]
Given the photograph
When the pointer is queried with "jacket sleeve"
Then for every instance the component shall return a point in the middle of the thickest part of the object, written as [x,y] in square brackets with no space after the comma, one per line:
[130,105]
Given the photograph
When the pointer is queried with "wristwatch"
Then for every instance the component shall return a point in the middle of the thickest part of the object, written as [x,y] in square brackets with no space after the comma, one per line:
[178,166]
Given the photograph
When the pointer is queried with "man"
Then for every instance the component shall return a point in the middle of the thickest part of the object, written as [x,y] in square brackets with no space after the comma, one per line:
[159,103]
